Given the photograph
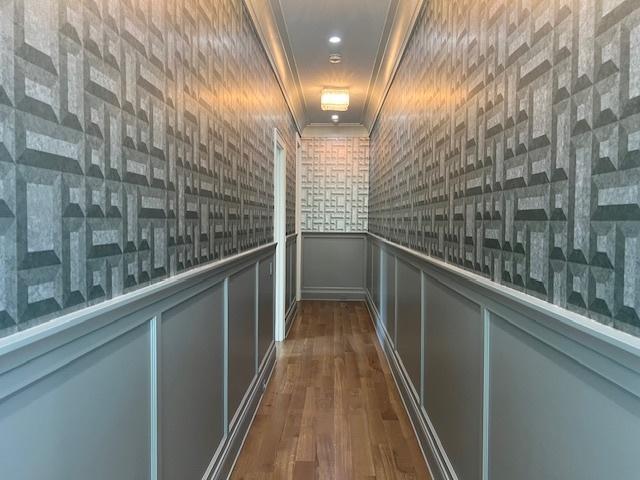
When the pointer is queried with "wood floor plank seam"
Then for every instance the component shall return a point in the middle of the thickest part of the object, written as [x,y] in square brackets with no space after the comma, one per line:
[331,409]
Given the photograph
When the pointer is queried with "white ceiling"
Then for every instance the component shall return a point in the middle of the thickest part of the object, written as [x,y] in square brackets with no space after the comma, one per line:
[295,34]
[360,24]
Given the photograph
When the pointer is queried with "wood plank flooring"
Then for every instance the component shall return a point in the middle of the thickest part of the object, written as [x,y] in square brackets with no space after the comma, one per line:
[331,410]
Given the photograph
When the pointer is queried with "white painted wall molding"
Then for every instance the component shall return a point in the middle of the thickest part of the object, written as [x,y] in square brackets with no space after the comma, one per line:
[280,56]
[123,363]
[389,56]
[489,376]
[276,44]
[23,346]
[335,131]
[625,346]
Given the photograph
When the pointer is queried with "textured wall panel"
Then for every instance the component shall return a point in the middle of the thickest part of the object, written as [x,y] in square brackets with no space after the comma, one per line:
[334,184]
[136,141]
[509,144]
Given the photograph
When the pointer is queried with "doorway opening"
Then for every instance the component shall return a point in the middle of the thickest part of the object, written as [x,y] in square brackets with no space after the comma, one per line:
[280,230]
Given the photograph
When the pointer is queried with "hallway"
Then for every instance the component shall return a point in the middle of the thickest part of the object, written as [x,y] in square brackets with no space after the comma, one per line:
[277,239]
[331,409]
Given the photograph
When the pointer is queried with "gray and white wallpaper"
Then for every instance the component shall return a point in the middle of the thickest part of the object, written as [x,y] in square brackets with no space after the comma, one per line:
[509,144]
[334,182]
[136,141]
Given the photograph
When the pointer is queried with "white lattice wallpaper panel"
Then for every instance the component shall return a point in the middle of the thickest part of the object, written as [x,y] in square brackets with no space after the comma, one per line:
[334,183]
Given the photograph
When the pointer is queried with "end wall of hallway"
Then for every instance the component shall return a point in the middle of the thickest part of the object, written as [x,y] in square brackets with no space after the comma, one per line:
[334,190]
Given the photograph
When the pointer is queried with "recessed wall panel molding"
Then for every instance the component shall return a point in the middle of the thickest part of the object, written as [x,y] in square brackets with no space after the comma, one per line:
[136,142]
[509,144]
[501,387]
[192,340]
[334,184]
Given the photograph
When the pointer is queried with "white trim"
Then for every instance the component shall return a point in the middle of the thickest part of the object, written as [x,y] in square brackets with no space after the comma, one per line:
[280,230]
[225,356]
[256,318]
[423,332]
[266,25]
[334,294]
[290,318]
[298,217]
[244,402]
[384,343]
[32,335]
[390,57]
[622,340]
[155,325]
[442,454]
[334,232]
[486,368]
[271,27]
[616,366]
[228,445]
[216,456]
[343,130]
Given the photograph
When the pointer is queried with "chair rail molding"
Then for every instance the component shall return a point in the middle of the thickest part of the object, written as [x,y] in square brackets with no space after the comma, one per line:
[481,366]
[121,362]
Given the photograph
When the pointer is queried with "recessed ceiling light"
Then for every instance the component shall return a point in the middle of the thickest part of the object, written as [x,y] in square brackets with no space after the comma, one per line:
[335,118]
[335,39]
[335,58]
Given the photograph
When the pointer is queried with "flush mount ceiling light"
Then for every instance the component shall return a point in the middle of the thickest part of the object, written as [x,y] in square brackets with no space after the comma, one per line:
[336,99]
[335,58]
[335,118]
[335,39]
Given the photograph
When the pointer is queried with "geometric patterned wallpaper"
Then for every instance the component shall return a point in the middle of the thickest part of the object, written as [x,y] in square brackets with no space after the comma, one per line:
[136,141]
[334,183]
[509,144]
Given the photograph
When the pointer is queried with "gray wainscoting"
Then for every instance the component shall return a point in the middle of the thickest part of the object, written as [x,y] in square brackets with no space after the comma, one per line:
[409,324]
[241,337]
[334,266]
[500,385]
[159,384]
[388,298]
[376,277]
[290,294]
[192,372]
[266,306]
[91,418]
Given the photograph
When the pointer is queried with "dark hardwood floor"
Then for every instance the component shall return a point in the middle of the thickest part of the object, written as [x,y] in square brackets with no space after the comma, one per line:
[331,410]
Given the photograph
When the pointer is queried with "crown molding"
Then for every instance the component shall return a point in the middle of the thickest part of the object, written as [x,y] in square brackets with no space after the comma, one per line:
[328,130]
[399,26]
[270,28]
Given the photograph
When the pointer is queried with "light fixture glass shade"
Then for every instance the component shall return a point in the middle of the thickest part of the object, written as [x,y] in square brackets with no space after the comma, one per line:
[336,99]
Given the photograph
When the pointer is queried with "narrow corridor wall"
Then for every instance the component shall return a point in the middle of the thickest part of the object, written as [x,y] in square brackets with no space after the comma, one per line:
[509,144]
[136,142]
[334,191]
